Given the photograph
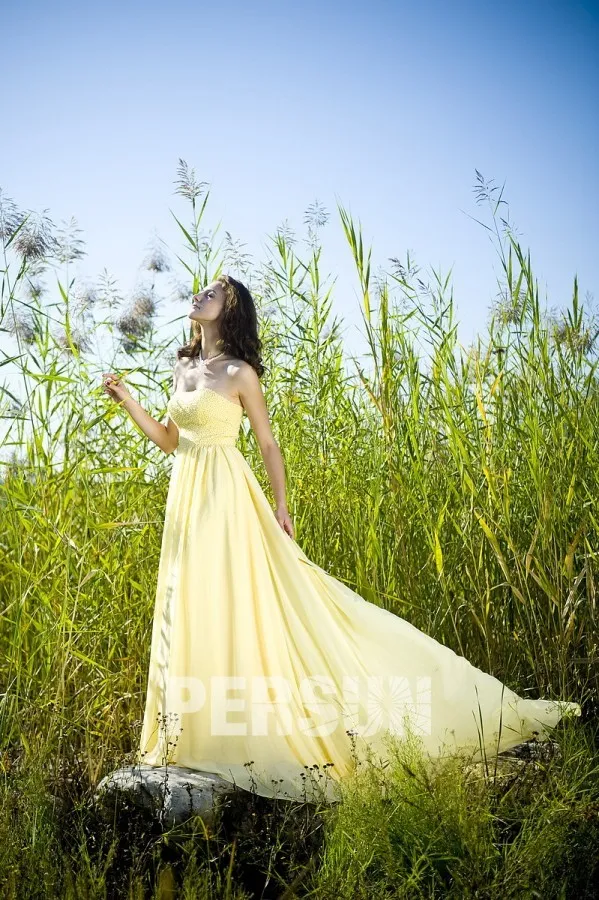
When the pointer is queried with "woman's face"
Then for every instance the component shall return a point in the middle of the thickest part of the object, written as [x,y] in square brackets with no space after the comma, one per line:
[208,304]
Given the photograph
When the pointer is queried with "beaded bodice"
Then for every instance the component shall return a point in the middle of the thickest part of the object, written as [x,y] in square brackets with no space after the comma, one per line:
[204,417]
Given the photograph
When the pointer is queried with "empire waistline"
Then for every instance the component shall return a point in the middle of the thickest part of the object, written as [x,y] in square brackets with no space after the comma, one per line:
[187,443]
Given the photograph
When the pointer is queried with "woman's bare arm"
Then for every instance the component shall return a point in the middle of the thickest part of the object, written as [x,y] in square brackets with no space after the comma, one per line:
[171,429]
[162,435]
[251,395]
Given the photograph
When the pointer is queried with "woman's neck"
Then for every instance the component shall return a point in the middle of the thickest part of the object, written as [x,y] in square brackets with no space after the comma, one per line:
[209,345]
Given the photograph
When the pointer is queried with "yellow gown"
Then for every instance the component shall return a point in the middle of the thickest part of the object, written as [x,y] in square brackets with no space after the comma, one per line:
[264,668]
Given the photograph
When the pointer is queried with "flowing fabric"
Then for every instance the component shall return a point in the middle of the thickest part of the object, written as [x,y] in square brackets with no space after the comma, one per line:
[271,673]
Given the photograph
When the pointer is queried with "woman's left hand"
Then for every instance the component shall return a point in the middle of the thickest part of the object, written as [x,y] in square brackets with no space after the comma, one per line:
[284,520]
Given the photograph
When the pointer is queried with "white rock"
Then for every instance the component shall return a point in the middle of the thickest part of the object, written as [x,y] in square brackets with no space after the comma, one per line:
[173,793]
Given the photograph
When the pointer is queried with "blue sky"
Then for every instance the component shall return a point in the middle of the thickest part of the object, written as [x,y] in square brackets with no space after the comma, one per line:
[387,107]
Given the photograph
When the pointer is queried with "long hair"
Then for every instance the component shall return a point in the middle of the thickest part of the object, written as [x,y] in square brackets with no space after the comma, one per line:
[238,327]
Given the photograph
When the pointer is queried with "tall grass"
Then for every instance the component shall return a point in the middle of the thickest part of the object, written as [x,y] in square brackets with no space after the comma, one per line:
[456,487]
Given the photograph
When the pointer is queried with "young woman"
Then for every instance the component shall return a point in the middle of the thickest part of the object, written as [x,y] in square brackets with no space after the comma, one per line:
[265,669]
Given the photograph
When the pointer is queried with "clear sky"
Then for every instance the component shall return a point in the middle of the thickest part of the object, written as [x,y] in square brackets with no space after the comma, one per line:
[387,106]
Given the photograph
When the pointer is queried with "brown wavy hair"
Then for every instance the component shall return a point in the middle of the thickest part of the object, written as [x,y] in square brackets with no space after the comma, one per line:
[238,327]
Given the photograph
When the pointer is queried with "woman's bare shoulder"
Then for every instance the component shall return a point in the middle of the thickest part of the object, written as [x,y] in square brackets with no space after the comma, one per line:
[245,374]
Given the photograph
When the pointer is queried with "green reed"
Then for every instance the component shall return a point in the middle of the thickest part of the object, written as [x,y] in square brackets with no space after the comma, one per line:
[455,487]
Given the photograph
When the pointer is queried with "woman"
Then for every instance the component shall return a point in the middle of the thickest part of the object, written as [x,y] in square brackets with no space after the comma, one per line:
[265,669]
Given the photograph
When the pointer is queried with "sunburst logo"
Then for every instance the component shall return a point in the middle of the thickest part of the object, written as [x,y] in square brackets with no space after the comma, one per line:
[390,701]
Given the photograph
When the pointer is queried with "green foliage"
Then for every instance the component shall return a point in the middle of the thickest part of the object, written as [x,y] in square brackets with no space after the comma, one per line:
[456,488]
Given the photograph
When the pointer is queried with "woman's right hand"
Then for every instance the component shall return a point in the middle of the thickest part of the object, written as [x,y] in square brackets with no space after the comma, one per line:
[113,386]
